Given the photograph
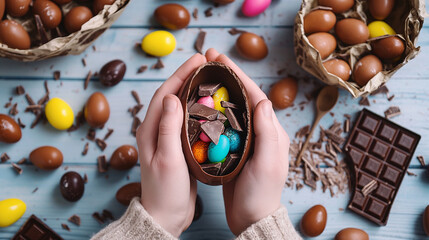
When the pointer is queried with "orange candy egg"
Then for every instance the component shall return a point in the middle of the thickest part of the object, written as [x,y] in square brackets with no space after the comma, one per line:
[199,149]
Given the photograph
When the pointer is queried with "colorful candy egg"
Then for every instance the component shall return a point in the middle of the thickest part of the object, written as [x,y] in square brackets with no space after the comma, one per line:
[203,136]
[159,43]
[220,95]
[234,140]
[59,114]
[217,153]
[11,210]
[199,149]
[251,8]
[207,101]
[380,28]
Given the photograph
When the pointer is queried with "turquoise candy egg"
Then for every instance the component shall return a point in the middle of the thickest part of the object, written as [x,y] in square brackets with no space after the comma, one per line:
[234,140]
[218,152]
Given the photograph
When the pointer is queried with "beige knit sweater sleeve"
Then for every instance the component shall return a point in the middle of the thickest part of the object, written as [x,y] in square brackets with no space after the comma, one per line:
[136,223]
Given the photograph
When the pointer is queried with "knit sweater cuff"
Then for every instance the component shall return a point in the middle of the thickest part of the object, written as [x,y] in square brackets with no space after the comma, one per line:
[273,227]
[136,223]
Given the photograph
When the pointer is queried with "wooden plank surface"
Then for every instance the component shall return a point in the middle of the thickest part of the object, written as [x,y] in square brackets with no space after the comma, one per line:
[410,86]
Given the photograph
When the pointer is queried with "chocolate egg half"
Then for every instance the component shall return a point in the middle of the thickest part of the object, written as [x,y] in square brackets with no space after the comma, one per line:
[215,72]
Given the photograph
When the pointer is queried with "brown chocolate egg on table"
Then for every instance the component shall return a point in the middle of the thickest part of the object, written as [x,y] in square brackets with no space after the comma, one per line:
[324,43]
[339,68]
[352,31]
[212,95]
[172,16]
[351,234]
[124,158]
[380,9]
[72,186]
[426,220]
[97,110]
[389,48]
[14,35]
[338,6]
[366,68]
[98,5]
[112,73]
[49,13]
[46,158]
[283,93]
[251,46]
[313,222]
[319,21]
[10,132]
[61,2]
[126,193]
[77,17]
[2,8]
[17,8]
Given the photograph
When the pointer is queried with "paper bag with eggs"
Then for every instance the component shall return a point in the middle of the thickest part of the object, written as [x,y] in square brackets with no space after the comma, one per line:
[217,132]
[361,43]
[46,29]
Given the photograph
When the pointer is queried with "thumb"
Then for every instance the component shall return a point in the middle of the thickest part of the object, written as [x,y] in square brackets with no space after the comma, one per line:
[266,135]
[170,125]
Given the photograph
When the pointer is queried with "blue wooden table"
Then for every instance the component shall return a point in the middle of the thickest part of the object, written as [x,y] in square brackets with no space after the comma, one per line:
[410,86]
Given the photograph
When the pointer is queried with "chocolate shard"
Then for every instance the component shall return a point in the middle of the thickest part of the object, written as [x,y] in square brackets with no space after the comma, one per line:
[213,130]
[201,111]
[41,29]
[20,90]
[98,218]
[221,117]
[392,111]
[226,104]
[208,89]
[17,168]
[194,129]
[212,168]
[229,165]
[34,228]
[65,227]
[233,119]
[75,219]
[102,164]
[4,157]
[199,43]
[101,144]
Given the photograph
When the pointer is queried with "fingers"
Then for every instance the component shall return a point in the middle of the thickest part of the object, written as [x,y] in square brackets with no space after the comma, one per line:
[212,54]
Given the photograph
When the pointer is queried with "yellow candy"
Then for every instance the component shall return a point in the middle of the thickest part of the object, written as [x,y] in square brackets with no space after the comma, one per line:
[159,43]
[59,114]
[220,95]
[11,210]
[380,28]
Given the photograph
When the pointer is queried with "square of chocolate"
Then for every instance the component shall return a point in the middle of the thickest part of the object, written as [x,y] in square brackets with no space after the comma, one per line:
[397,158]
[376,208]
[384,192]
[379,149]
[387,132]
[369,124]
[362,140]
[372,166]
[405,141]
[35,229]
[358,200]
[356,155]
[363,180]
[390,175]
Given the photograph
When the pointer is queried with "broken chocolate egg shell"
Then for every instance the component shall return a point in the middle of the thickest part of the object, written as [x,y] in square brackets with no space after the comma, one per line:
[215,72]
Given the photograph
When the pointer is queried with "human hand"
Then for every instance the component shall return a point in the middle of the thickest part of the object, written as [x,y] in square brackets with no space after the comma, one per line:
[168,192]
[256,192]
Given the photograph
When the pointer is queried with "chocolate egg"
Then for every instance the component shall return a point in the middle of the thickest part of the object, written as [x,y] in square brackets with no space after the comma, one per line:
[123,158]
[338,6]
[46,158]
[199,208]
[352,31]
[251,46]
[223,1]
[325,43]
[49,13]
[112,73]
[313,222]
[388,48]
[14,35]
[76,17]
[72,186]
[126,193]
[380,9]
[17,8]
[97,110]
[426,220]
[319,21]
[339,68]
[2,7]
[215,73]
[61,2]
[366,68]
[283,93]
[351,234]
[98,5]
[172,16]
[10,132]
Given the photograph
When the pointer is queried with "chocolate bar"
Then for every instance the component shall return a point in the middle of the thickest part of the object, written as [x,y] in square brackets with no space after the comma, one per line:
[208,89]
[232,119]
[379,153]
[203,112]
[35,229]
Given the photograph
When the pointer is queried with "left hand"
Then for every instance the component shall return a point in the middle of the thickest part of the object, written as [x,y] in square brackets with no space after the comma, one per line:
[168,191]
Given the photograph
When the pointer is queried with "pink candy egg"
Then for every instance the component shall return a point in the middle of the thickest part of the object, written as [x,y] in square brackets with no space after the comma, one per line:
[207,101]
[253,8]
[203,136]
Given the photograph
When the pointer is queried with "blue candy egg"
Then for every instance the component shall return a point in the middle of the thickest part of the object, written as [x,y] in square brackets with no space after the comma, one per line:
[234,140]
[218,152]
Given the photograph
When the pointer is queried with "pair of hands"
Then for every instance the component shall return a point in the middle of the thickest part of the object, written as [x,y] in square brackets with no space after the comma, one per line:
[169,192]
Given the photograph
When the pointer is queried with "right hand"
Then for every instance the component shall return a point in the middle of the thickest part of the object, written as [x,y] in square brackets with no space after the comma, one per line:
[256,192]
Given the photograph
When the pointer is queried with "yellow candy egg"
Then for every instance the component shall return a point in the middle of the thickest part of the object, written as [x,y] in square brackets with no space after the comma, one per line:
[159,43]
[59,114]
[380,28]
[11,210]
[220,95]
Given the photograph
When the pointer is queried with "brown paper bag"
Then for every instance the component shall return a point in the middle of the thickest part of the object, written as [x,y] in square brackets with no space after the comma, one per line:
[74,43]
[406,19]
